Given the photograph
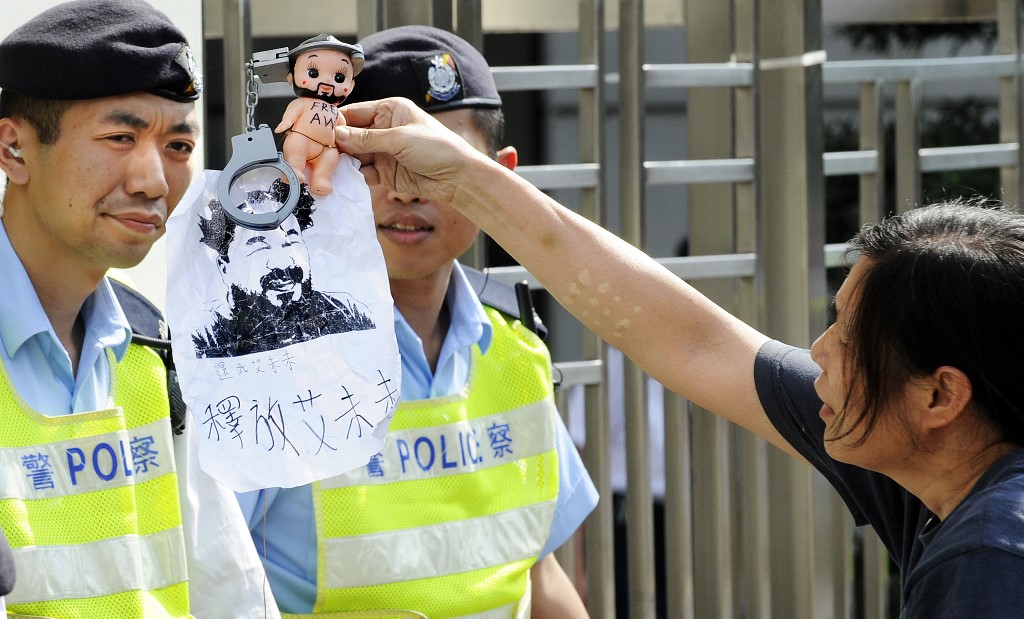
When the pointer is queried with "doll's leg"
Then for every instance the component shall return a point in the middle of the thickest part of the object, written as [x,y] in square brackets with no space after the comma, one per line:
[323,171]
[294,151]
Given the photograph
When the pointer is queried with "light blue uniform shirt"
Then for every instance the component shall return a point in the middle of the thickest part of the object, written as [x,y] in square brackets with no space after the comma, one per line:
[37,362]
[291,550]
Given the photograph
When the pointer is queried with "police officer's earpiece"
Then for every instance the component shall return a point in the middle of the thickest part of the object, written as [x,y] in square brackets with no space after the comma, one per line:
[15,152]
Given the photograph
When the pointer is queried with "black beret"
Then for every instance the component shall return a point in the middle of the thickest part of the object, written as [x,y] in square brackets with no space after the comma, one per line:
[434,68]
[99,48]
[326,41]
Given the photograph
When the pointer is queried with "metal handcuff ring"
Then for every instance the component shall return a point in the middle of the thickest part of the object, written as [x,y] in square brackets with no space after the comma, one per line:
[256,149]
[249,151]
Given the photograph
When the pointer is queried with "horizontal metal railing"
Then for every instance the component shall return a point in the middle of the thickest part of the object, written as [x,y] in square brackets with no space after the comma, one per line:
[690,268]
[731,74]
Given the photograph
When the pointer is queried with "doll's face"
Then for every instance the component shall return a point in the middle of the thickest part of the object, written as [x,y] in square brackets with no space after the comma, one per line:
[323,74]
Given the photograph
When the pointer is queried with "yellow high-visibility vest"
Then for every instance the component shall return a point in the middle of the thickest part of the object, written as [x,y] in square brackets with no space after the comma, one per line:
[90,502]
[449,518]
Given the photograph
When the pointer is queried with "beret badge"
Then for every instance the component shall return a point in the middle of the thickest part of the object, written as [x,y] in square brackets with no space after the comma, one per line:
[187,61]
[443,80]
[432,67]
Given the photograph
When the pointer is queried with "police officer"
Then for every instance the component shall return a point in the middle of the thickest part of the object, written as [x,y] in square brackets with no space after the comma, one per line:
[97,129]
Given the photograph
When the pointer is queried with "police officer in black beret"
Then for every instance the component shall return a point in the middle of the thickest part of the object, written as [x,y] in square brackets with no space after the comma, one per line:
[97,130]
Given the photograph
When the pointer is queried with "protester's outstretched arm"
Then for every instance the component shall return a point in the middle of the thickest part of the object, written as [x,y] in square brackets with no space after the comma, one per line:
[669,329]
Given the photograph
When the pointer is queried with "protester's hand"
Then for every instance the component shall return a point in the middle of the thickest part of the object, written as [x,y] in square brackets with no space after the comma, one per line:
[407,150]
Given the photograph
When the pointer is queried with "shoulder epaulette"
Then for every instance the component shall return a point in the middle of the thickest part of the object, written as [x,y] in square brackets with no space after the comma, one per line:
[145,319]
[505,299]
[149,329]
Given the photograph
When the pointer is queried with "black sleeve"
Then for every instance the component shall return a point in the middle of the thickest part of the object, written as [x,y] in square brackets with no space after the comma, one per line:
[784,377]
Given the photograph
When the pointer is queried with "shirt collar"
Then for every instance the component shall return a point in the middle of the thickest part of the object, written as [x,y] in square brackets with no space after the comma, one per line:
[468,324]
[106,321]
[21,313]
[22,316]
[469,321]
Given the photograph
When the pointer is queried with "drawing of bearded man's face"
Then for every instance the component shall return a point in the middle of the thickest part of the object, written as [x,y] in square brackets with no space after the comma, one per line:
[272,264]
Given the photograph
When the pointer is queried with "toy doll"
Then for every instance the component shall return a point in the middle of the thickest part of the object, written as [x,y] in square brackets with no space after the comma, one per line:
[322,73]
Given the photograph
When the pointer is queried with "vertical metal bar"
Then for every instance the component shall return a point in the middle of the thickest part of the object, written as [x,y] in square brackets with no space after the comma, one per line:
[442,16]
[872,137]
[403,12]
[752,567]
[754,571]
[592,147]
[849,557]
[679,569]
[833,552]
[566,554]
[1010,126]
[469,22]
[712,229]
[791,211]
[876,576]
[370,15]
[237,51]
[791,546]
[599,541]
[639,503]
[639,510]
[908,141]
[1019,77]
[469,26]
[713,582]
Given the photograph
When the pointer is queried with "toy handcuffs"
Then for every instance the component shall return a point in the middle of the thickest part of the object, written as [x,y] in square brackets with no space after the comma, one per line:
[252,150]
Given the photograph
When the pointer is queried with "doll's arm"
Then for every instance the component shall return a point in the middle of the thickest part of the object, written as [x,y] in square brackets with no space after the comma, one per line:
[291,115]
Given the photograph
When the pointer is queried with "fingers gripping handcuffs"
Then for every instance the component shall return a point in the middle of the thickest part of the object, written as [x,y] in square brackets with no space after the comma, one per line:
[256,149]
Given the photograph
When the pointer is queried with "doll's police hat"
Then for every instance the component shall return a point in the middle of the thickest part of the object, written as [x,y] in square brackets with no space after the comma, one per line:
[88,49]
[434,68]
[326,41]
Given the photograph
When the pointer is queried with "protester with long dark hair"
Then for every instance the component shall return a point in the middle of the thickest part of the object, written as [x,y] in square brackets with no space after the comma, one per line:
[909,404]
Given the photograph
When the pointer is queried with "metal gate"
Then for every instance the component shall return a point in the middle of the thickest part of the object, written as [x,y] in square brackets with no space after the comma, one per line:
[750,533]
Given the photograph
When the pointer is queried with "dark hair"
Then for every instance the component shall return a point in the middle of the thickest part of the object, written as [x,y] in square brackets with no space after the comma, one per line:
[219,230]
[491,122]
[944,285]
[43,114]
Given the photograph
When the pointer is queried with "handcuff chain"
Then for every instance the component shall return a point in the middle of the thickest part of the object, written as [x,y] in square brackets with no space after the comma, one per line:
[252,97]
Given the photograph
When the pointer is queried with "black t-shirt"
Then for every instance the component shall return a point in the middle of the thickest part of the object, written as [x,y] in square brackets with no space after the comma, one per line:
[969,566]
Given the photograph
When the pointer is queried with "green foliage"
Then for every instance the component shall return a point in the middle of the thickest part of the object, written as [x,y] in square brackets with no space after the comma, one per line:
[842,193]
[959,122]
[886,38]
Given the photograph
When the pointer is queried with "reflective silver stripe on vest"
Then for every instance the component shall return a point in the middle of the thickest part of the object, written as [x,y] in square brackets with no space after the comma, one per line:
[106,567]
[507,611]
[457,448]
[437,550]
[88,464]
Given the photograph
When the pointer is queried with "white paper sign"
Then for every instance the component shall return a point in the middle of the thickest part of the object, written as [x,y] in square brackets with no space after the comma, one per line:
[283,339]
